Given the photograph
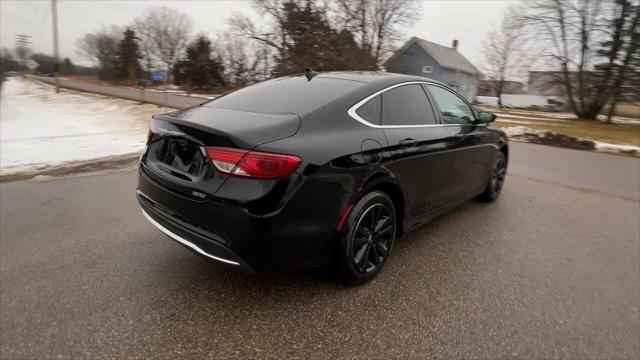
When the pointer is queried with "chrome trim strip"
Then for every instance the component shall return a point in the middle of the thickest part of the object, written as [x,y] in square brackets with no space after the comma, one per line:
[477,146]
[185,242]
[352,110]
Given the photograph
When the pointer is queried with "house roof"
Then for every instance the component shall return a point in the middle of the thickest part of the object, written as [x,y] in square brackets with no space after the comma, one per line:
[446,57]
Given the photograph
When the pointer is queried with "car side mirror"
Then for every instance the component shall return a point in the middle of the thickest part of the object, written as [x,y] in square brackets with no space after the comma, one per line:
[486,117]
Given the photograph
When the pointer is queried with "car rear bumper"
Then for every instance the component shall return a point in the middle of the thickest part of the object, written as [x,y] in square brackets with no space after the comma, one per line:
[298,237]
[192,240]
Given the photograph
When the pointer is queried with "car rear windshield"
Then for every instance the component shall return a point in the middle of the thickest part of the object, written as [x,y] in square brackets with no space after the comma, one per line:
[289,94]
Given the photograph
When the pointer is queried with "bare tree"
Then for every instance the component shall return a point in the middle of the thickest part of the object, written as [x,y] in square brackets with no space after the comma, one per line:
[7,63]
[22,52]
[571,29]
[166,35]
[243,63]
[101,48]
[376,24]
[506,53]
[622,52]
[145,43]
[272,35]
[593,42]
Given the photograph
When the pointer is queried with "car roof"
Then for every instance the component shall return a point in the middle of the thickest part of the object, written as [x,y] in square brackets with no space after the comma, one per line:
[374,77]
[297,94]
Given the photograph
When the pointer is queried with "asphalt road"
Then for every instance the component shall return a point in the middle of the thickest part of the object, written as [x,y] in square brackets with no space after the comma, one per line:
[153,97]
[551,270]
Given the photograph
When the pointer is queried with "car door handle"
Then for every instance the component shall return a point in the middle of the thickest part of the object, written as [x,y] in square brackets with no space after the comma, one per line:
[407,143]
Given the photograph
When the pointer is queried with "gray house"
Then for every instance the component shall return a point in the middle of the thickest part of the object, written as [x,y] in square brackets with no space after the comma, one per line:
[445,64]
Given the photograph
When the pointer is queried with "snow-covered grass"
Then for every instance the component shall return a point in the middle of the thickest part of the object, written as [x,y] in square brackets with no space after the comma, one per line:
[532,118]
[554,116]
[514,131]
[40,129]
[526,134]
[616,148]
[623,131]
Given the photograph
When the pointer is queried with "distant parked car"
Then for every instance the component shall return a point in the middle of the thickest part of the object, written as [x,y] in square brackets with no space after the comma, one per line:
[291,174]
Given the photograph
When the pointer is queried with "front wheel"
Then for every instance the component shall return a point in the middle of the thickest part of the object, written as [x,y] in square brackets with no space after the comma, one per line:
[498,174]
[368,237]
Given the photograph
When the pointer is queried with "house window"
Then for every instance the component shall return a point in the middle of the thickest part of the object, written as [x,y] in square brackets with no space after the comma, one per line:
[427,69]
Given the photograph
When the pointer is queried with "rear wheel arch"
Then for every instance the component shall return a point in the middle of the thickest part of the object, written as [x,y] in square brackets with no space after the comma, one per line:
[361,239]
[384,182]
[505,150]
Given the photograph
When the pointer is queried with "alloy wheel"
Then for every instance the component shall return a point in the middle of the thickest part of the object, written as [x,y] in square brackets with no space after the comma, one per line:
[372,239]
[497,178]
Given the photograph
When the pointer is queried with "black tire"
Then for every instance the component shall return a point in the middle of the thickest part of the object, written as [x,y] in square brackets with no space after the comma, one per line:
[362,253]
[496,180]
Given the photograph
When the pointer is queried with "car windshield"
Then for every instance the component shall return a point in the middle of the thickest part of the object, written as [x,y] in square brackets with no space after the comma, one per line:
[289,94]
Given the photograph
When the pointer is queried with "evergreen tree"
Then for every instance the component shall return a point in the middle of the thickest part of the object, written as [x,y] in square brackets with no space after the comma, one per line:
[315,44]
[199,70]
[129,56]
[67,67]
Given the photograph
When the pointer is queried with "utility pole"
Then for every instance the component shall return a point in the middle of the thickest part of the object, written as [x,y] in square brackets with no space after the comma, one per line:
[56,68]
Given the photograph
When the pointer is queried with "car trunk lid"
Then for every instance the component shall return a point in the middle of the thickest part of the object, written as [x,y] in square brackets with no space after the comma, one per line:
[176,156]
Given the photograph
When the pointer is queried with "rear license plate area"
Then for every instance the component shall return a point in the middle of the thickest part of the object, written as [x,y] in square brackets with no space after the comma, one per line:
[181,155]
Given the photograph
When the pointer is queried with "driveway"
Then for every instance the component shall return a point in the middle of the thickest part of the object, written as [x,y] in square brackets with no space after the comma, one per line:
[550,270]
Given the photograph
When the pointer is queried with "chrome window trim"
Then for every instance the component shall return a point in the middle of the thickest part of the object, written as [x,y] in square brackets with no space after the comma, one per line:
[354,115]
[184,241]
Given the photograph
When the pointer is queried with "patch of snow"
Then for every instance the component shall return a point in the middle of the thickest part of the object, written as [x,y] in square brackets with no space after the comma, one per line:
[620,120]
[170,91]
[525,134]
[487,100]
[204,96]
[608,147]
[183,93]
[519,130]
[39,128]
[511,116]
[556,116]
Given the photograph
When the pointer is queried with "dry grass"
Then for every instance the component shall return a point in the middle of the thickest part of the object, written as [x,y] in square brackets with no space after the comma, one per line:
[593,130]
[615,133]
[626,110]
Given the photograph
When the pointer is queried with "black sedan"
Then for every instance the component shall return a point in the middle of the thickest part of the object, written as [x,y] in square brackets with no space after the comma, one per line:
[302,172]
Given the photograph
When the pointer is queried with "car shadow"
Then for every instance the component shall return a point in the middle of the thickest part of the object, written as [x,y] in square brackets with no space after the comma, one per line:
[411,257]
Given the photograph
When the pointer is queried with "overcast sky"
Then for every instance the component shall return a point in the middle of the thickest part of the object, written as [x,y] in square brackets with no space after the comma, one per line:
[440,21]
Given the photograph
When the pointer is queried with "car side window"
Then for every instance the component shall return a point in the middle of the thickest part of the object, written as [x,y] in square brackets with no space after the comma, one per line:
[453,109]
[406,105]
[371,110]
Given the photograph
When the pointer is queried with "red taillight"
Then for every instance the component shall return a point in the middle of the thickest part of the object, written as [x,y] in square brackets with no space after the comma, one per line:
[253,164]
[149,136]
